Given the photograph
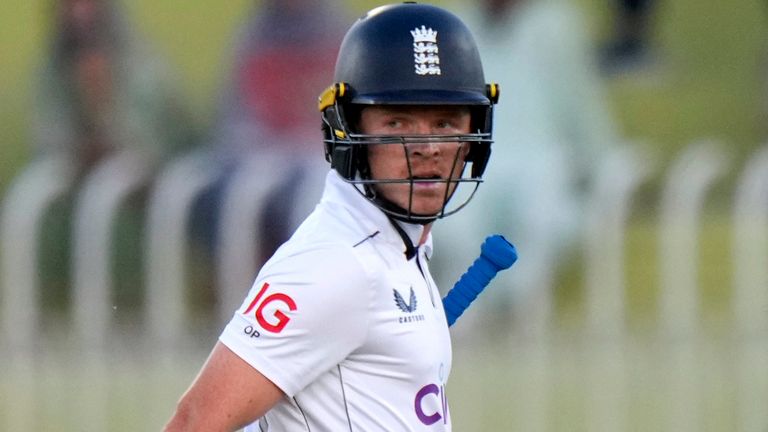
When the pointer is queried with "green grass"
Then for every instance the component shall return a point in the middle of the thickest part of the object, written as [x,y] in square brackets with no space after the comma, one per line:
[711,76]
[20,39]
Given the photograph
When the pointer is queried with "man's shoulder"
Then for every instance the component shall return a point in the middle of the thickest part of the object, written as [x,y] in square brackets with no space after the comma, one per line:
[334,226]
[318,256]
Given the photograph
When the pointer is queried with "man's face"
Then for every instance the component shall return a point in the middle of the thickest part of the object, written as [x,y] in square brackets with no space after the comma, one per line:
[435,161]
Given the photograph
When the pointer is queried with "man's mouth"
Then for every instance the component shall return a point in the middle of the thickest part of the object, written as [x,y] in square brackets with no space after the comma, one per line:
[427,177]
[427,182]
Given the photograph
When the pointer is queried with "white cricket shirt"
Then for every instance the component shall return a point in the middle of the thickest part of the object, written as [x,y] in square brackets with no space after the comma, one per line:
[352,332]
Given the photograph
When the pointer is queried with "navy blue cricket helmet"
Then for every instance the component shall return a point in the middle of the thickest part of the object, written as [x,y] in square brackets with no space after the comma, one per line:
[406,54]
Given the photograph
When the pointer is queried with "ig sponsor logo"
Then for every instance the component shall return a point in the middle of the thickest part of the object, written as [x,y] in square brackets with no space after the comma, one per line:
[281,319]
[431,405]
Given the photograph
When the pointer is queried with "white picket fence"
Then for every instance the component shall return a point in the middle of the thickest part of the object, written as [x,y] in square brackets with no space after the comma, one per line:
[87,373]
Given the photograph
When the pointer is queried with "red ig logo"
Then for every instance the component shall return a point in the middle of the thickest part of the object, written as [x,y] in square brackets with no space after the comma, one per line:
[282,318]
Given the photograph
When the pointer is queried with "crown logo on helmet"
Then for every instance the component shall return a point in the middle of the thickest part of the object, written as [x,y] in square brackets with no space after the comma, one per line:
[424,34]
[426,61]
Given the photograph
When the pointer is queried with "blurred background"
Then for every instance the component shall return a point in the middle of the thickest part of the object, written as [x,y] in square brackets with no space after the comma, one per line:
[153,154]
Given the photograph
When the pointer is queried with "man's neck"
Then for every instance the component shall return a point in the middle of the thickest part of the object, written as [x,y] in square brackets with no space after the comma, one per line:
[425,233]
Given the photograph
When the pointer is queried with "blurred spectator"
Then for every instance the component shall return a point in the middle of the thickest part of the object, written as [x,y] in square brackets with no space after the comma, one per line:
[629,46]
[101,91]
[269,106]
[550,132]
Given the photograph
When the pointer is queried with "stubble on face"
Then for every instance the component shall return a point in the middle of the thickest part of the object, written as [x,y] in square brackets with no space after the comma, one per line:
[424,169]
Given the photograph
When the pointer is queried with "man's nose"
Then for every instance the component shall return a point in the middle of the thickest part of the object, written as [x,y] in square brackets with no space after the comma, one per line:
[425,149]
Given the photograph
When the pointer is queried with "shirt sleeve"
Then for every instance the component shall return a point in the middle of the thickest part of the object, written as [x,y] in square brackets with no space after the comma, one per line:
[305,313]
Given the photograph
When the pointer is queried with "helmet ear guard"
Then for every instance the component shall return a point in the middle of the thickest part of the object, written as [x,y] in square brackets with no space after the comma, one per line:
[339,150]
[480,152]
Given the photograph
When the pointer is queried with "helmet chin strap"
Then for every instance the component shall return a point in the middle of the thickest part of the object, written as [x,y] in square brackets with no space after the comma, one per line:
[410,249]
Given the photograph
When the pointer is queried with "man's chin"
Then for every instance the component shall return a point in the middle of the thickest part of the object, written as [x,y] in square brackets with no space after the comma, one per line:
[427,211]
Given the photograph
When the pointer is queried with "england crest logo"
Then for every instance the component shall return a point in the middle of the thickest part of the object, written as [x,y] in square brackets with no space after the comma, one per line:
[425,51]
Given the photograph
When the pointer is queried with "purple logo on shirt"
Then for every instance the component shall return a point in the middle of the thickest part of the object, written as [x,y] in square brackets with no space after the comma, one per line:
[431,405]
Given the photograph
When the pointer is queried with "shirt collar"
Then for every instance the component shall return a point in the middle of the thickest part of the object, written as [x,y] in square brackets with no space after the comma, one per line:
[369,216]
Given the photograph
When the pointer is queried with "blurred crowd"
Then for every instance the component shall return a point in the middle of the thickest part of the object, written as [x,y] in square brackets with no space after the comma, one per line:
[552,125]
[103,92]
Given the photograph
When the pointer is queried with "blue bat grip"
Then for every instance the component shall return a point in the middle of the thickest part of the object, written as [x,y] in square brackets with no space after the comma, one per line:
[496,254]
